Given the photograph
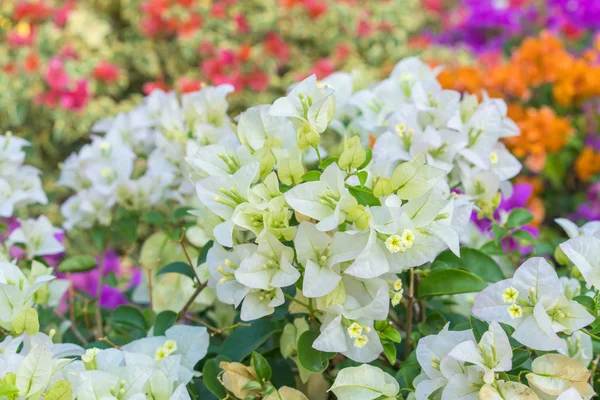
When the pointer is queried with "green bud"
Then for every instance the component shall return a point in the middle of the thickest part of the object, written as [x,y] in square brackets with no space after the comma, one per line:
[560,256]
[383,187]
[353,154]
[307,137]
[26,321]
[267,161]
[289,167]
[360,217]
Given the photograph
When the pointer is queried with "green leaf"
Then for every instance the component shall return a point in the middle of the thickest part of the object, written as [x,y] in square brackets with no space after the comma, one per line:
[493,249]
[520,357]
[326,163]
[61,390]
[311,176]
[127,228]
[450,281]
[587,302]
[390,333]
[80,263]
[245,339]
[475,261]
[407,374]
[153,217]
[518,217]
[364,196]
[129,316]
[524,236]
[498,232]
[177,267]
[262,367]
[389,349]
[369,153]
[312,359]
[210,374]
[362,177]
[204,252]
[179,213]
[164,321]
[479,327]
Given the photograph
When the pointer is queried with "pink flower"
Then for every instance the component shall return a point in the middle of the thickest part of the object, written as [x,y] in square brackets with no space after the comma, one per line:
[55,75]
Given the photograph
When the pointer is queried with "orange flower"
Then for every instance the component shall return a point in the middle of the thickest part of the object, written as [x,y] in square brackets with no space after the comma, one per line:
[542,131]
[587,164]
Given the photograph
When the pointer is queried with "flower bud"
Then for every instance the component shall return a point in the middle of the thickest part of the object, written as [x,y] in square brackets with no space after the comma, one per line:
[360,217]
[307,137]
[560,256]
[383,187]
[353,154]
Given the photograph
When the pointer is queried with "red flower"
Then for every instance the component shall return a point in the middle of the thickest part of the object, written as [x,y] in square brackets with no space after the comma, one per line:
[364,28]
[188,85]
[106,72]
[31,63]
[315,8]
[149,87]
[275,45]
[323,68]
[257,81]
[241,24]
[32,11]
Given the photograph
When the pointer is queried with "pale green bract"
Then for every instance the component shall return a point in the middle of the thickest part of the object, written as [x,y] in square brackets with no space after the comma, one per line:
[364,382]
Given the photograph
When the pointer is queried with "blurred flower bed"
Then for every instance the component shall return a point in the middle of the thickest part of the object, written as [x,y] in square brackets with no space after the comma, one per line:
[66,64]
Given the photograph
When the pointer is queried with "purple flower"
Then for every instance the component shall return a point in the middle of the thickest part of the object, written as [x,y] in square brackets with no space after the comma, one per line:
[110,297]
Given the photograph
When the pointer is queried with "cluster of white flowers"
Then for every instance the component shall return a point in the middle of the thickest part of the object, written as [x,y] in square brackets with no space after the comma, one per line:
[139,163]
[457,366]
[341,233]
[409,114]
[159,367]
[20,184]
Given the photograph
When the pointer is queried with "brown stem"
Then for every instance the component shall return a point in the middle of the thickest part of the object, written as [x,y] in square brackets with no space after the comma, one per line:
[409,312]
[187,256]
[191,300]
[149,272]
[77,334]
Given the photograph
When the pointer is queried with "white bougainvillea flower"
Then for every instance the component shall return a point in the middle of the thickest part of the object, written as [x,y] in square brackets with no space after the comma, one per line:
[222,265]
[570,394]
[223,194]
[532,302]
[348,328]
[38,236]
[188,342]
[308,106]
[405,235]
[321,256]
[325,200]
[258,129]
[443,375]
[207,106]
[584,252]
[507,390]
[364,383]
[553,374]
[591,228]
[493,353]
[260,303]
[269,267]
[218,159]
